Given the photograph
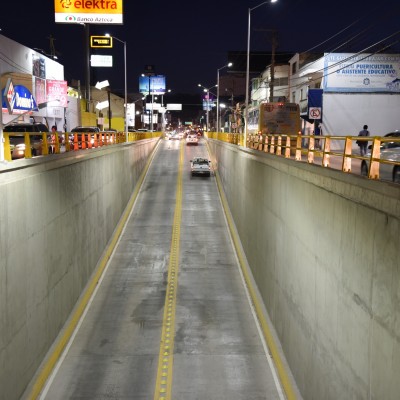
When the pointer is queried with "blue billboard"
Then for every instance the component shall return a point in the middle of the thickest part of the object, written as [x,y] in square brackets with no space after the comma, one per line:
[156,83]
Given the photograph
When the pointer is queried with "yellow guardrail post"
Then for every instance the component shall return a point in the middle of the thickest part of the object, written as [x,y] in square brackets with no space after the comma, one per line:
[346,166]
[298,148]
[311,148]
[45,144]
[288,147]
[57,144]
[66,142]
[327,150]
[266,142]
[28,150]
[7,147]
[373,172]
[272,144]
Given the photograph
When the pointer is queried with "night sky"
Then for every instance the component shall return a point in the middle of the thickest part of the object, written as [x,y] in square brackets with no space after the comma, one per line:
[188,41]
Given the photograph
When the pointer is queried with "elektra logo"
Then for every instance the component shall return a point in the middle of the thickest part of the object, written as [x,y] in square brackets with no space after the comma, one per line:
[89,4]
[66,3]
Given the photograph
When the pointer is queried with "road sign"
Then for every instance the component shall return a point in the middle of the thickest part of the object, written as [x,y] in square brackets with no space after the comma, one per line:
[102,104]
[101,85]
[101,42]
[314,113]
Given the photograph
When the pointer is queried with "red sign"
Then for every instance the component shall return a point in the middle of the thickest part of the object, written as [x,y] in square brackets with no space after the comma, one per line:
[56,91]
[314,113]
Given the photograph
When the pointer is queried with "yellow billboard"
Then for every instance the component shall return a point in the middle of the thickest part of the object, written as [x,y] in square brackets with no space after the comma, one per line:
[88,11]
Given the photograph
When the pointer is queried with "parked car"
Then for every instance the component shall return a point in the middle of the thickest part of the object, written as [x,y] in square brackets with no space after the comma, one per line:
[17,141]
[389,151]
[200,166]
[192,138]
[80,130]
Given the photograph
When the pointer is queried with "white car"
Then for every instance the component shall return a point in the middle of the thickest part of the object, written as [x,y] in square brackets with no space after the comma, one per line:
[200,166]
[389,151]
[192,138]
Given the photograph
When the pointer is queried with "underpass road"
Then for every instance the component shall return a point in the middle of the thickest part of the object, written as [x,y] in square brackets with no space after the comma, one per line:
[218,352]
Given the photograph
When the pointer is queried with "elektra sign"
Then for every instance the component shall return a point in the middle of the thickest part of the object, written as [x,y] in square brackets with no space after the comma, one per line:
[88,11]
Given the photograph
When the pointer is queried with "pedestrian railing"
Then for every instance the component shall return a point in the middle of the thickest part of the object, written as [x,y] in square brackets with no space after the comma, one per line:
[64,142]
[322,150]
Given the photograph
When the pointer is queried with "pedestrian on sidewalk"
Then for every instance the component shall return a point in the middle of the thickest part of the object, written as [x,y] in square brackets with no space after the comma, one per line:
[363,143]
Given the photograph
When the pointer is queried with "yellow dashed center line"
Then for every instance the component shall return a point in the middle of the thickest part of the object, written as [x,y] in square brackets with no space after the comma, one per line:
[163,388]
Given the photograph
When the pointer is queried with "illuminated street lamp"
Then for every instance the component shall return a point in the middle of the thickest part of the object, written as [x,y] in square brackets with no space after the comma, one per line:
[163,114]
[125,88]
[207,90]
[219,69]
[248,63]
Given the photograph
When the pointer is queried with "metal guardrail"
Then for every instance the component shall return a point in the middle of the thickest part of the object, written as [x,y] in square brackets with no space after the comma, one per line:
[65,142]
[318,149]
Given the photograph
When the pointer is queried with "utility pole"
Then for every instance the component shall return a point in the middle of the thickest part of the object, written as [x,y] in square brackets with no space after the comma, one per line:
[52,46]
[274,44]
[271,85]
[87,50]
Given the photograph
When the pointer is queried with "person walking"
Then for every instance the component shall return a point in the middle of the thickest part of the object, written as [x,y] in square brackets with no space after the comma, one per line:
[52,138]
[363,143]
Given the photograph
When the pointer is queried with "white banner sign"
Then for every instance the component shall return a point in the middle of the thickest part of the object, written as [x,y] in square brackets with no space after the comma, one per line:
[344,72]
[101,61]
[174,107]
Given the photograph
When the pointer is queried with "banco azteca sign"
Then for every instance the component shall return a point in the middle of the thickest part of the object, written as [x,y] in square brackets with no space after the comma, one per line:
[88,11]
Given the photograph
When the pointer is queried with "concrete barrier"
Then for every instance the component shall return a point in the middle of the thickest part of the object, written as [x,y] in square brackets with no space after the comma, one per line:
[323,247]
[57,215]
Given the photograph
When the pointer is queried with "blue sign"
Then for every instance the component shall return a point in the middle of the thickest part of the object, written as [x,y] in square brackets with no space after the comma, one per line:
[315,103]
[20,101]
[208,102]
[156,83]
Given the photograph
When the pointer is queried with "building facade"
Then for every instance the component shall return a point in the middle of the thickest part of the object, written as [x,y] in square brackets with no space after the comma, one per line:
[356,90]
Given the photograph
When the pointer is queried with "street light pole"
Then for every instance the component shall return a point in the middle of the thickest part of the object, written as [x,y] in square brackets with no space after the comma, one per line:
[125,89]
[163,114]
[207,90]
[225,66]
[248,64]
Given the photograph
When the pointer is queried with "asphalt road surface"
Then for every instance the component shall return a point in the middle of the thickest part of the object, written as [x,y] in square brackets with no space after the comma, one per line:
[170,318]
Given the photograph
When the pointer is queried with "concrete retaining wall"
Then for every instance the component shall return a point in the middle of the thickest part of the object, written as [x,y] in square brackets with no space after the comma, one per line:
[56,218]
[324,250]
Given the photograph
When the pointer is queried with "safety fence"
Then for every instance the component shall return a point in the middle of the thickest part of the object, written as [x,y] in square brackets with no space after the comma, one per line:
[30,144]
[381,161]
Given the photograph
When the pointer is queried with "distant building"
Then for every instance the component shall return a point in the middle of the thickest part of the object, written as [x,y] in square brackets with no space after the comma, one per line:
[355,90]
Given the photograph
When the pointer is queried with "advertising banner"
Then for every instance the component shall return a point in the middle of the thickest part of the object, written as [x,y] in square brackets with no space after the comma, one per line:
[88,12]
[38,66]
[40,90]
[57,91]
[130,114]
[156,82]
[362,73]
